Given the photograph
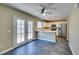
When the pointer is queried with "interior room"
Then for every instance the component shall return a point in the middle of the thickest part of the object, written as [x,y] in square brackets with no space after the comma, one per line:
[39,28]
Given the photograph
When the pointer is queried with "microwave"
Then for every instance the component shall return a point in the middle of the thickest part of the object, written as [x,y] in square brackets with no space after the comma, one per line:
[53,27]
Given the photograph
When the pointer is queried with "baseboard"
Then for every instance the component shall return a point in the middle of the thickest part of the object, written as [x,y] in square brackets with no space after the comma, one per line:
[71,49]
[16,47]
[6,51]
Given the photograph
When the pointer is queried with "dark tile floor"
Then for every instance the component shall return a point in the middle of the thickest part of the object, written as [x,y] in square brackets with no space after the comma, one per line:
[41,47]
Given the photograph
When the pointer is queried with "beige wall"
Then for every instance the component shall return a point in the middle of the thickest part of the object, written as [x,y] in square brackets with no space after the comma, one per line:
[74,30]
[68,28]
[6,18]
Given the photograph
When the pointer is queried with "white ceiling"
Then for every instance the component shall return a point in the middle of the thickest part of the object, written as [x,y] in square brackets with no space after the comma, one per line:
[61,10]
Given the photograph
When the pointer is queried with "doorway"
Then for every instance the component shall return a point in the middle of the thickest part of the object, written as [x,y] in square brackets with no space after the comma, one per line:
[62,30]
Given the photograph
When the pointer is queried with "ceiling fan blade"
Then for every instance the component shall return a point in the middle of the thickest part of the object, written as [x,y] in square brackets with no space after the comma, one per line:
[38,10]
[48,12]
[52,8]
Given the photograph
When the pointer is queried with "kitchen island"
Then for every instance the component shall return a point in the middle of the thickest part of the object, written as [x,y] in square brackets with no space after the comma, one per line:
[46,34]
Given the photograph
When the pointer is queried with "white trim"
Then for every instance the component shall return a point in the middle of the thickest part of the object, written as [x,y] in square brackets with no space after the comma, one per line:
[71,49]
[6,51]
[15,47]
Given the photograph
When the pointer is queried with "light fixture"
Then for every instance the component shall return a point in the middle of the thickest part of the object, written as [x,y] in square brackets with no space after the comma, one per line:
[44,14]
[44,11]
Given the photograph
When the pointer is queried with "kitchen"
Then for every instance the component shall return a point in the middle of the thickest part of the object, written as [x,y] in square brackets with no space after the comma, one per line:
[51,30]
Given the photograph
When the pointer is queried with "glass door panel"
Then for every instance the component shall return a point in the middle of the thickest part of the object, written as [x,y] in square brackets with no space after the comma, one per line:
[20,31]
[30,30]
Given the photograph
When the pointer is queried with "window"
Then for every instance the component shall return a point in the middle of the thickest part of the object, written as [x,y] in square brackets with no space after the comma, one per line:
[30,30]
[39,24]
[20,30]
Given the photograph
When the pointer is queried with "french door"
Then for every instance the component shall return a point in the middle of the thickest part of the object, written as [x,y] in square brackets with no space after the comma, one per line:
[18,31]
[22,31]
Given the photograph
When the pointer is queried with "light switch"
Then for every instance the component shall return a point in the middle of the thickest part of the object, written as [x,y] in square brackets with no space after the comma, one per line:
[9,31]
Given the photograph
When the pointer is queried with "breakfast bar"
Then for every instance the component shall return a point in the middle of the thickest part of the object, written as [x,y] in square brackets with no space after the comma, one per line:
[46,34]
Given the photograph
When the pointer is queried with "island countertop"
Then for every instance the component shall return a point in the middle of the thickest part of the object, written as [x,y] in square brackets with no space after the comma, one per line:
[45,30]
[46,34]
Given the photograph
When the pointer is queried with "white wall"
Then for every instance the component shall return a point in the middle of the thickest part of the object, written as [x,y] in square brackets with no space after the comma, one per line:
[74,30]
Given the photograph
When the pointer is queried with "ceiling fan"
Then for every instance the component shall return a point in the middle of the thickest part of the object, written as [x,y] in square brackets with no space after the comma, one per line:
[45,8]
